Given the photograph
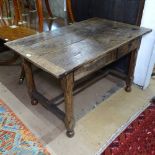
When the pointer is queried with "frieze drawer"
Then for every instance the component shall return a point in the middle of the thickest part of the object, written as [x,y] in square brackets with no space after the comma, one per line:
[127,48]
[95,65]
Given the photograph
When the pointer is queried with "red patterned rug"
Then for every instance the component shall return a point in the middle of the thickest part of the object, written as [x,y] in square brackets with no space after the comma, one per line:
[138,138]
[15,137]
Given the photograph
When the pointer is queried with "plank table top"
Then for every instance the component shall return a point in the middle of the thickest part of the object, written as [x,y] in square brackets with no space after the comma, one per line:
[64,50]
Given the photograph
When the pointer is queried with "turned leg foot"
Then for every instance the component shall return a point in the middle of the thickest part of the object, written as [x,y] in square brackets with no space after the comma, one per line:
[21,80]
[70,133]
[128,89]
[70,127]
[22,75]
[34,101]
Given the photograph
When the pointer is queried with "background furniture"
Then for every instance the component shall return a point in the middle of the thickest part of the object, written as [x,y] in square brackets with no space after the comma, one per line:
[31,6]
[71,17]
[23,28]
[9,32]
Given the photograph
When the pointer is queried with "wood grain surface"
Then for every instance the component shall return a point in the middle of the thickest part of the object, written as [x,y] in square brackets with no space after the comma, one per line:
[66,49]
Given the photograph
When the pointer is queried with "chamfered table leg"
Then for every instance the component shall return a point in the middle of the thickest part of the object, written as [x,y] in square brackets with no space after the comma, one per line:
[67,83]
[30,81]
[130,76]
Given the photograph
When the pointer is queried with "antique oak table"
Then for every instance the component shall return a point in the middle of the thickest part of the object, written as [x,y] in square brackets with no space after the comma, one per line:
[72,52]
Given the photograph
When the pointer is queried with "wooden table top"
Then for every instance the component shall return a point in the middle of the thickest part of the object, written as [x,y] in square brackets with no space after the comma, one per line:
[66,49]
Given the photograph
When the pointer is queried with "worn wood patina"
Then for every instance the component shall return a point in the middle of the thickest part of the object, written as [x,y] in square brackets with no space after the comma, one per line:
[75,51]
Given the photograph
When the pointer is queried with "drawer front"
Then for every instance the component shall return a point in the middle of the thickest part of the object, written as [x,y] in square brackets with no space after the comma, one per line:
[95,65]
[127,48]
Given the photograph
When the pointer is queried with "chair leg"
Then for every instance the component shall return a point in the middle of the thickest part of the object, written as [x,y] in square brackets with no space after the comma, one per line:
[22,75]
[40,14]
[48,8]
[70,11]
[17,11]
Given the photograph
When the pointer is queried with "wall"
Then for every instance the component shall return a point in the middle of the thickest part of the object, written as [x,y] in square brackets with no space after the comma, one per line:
[146,55]
[120,10]
[81,9]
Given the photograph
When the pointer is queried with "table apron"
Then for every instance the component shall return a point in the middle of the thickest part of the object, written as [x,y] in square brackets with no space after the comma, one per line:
[128,47]
[108,58]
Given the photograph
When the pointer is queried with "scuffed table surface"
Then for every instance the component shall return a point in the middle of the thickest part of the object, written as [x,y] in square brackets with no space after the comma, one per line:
[66,49]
